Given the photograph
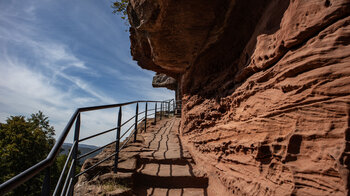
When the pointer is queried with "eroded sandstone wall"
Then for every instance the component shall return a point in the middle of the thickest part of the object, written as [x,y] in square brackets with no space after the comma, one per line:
[266,88]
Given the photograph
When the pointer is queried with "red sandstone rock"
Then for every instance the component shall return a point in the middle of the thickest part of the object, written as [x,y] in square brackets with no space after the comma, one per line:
[167,35]
[164,81]
[266,91]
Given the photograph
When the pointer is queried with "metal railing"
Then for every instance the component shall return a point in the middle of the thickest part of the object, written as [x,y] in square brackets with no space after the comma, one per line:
[166,109]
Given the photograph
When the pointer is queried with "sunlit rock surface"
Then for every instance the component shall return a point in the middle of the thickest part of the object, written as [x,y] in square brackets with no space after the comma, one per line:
[266,88]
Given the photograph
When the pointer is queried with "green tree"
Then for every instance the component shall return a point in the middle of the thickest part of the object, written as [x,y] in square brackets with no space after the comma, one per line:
[61,160]
[41,122]
[23,143]
[58,167]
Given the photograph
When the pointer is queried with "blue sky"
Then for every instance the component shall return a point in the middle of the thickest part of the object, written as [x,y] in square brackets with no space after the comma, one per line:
[56,56]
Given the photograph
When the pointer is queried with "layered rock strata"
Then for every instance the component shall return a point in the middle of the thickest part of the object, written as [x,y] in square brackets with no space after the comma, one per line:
[265,84]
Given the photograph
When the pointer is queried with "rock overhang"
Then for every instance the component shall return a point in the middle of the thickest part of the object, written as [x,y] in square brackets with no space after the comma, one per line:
[255,87]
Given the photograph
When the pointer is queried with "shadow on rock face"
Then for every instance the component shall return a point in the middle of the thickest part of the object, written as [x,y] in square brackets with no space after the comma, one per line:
[270,76]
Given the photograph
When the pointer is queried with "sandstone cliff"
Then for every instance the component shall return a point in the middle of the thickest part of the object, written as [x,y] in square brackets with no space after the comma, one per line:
[265,88]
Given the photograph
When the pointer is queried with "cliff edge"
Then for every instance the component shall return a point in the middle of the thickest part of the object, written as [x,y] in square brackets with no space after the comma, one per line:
[265,88]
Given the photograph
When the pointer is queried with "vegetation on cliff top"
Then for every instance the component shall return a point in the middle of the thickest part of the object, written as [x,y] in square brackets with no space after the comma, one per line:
[120,7]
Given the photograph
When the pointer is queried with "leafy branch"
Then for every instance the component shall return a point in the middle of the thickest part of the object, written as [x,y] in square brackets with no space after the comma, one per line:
[120,7]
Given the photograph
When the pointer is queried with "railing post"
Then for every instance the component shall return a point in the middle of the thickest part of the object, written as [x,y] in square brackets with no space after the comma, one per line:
[168,109]
[116,157]
[161,110]
[75,153]
[136,119]
[45,190]
[145,116]
[155,113]
[174,106]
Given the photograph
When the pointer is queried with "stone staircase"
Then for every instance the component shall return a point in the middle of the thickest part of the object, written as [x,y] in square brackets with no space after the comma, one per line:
[156,165]
[165,167]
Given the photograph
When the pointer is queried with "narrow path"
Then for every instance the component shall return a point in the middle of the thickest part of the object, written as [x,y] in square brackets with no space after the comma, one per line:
[156,165]
[165,167]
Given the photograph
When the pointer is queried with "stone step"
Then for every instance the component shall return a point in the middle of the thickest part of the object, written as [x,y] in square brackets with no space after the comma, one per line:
[169,176]
[175,161]
[127,165]
[165,154]
[152,191]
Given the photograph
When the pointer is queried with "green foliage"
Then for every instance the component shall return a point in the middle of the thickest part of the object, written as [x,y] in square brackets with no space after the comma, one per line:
[120,7]
[58,167]
[23,143]
[61,160]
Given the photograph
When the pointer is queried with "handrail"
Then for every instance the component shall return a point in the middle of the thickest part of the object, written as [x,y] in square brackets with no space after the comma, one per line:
[64,169]
[105,159]
[97,149]
[97,134]
[67,179]
[49,160]
[85,109]
[127,130]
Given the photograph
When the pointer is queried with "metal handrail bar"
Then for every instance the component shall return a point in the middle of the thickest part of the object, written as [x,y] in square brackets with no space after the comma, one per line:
[109,130]
[86,154]
[150,114]
[105,159]
[127,121]
[115,152]
[85,109]
[49,160]
[64,168]
[127,130]
[141,119]
[131,118]
[68,174]
[127,140]
[69,186]
[97,134]
[95,150]
[141,112]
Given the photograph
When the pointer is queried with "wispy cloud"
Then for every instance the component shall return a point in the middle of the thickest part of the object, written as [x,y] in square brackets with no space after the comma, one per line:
[24,91]
[54,58]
